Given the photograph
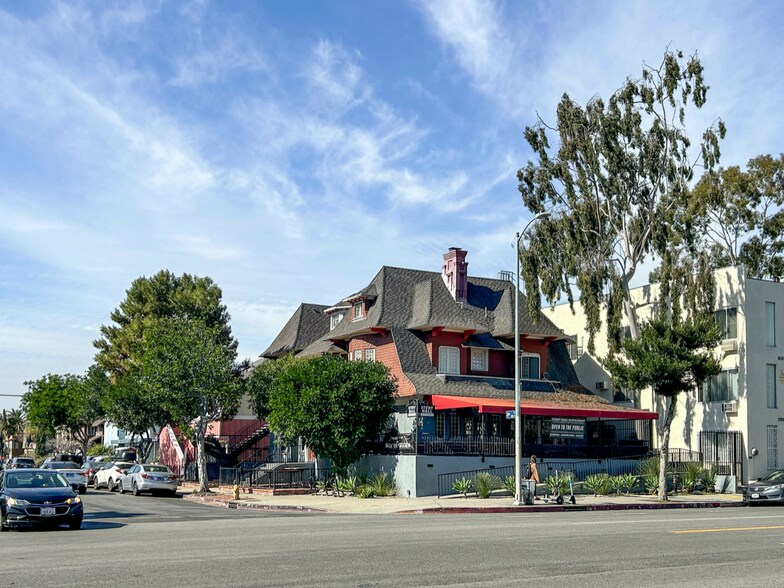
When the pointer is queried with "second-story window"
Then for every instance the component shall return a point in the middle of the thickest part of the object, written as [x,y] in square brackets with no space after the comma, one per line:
[529,366]
[728,322]
[479,360]
[359,310]
[448,360]
[335,318]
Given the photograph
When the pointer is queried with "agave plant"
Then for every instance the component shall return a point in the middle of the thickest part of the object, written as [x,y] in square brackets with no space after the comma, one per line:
[616,483]
[485,483]
[628,480]
[348,485]
[365,491]
[462,486]
[557,484]
[510,485]
[709,478]
[382,484]
[599,484]
[692,476]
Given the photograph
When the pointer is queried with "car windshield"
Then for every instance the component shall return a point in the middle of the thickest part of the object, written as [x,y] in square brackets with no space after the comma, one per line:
[777,476]
[35,480]
[63,465]
[157,468]
[25,461]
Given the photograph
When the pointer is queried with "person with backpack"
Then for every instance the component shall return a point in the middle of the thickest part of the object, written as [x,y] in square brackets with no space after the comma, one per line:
[532,473]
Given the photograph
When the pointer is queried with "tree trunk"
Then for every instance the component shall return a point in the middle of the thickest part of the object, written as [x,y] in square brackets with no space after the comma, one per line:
[669,416]
[631,310]
[201,456]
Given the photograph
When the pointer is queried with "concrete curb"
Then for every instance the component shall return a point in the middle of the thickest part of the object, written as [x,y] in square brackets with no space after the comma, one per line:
[243,505]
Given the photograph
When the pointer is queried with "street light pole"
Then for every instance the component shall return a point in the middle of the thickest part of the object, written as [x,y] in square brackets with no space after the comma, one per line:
[518,419]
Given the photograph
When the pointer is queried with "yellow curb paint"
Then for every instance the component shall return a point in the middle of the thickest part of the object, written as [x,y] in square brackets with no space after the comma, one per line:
[727,530]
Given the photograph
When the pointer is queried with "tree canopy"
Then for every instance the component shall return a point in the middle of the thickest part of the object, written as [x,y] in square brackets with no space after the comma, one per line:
[163,295]
[189,369]
[336,406]
[614,188]
[740,216]
[671,357]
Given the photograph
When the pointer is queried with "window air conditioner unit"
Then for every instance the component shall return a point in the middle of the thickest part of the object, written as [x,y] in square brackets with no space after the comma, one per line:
[729,407]
[729,346]
[604,385]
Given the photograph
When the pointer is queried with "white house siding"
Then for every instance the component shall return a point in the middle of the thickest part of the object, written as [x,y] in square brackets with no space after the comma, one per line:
[753,418]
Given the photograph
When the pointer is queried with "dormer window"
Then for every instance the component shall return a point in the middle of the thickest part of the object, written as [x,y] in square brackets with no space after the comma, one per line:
[359,310]
[335,319]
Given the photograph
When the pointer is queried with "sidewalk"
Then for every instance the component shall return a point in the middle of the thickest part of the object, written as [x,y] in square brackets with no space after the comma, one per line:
[319,503]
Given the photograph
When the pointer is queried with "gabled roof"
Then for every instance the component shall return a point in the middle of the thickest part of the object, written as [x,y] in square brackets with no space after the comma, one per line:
[420,300]
[307,325]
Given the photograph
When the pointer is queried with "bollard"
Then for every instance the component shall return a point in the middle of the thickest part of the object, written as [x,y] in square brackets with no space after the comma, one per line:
[236,492]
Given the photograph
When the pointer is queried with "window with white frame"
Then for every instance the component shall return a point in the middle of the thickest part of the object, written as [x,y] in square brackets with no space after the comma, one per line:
[479,360]
[728,322]
[770,324]
[721,387]
[530,366]
[370,355]
[770,377]
[359,310]
[358,355]
[335,318]
[448,360]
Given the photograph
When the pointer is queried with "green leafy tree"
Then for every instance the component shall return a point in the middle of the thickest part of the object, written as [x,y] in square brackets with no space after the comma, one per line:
[12,424]
[188,367]
[164,295]
[131,406]
[740,216]
[336,406]
[671,356]
[616,188]
[63,401]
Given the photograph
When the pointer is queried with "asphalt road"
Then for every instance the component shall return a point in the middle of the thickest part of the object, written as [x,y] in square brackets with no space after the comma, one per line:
[157,541]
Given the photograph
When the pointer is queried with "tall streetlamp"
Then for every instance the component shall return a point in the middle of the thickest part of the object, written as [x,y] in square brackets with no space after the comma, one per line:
[517,419]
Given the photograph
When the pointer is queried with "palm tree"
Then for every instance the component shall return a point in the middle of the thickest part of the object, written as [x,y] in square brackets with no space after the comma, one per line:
[12,424]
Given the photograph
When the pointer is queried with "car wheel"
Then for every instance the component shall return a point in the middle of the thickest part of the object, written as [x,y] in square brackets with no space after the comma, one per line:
[120,487]
[136,491]
[110,485]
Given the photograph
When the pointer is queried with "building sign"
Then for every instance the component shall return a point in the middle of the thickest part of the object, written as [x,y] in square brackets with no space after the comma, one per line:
[426,410]
[412,408]
[510,414]
[567,428]
[415,409]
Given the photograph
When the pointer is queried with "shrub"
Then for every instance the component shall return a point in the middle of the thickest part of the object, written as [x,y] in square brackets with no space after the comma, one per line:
[100,450]
[599,484]
[557,484]
[628,481]
[463,486]
[709,478]
[485,483]
[510,485]
[365,491]
[382,484]
[648,469]
[349,485]
[692,476]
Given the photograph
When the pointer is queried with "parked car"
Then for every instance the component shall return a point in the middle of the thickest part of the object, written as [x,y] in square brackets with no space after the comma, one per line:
[108,475]
[20,462]
[32,496]
[90,468]
[71,472]
[148,477]
[74,457]
[768,489]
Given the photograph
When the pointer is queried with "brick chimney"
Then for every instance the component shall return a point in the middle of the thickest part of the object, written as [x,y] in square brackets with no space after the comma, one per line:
[455,273]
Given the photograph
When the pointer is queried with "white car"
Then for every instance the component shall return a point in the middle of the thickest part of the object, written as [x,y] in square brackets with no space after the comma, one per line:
[148,477]
[71,472]
[108,476]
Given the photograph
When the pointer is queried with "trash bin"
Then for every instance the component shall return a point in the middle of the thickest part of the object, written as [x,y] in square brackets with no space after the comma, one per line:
[528,489]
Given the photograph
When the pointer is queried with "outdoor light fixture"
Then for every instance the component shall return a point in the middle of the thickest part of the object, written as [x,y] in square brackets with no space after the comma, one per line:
[517,418]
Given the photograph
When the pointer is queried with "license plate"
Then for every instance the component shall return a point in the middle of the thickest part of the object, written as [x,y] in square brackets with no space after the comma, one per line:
[47,511]
[755,495]
[156,478]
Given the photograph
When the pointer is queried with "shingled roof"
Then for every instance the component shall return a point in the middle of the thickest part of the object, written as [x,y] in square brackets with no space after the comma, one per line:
[407,303]
[307,325]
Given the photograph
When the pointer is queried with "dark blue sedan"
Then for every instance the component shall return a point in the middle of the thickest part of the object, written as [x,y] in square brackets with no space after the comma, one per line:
[38,497]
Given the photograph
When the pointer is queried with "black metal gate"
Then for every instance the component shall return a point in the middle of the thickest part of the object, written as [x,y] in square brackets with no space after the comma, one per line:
[724,449]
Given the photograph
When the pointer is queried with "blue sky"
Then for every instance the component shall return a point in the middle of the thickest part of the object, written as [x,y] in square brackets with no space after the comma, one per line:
[290,149]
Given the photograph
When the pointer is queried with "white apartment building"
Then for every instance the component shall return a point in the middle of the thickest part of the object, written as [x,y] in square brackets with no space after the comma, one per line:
[736,418]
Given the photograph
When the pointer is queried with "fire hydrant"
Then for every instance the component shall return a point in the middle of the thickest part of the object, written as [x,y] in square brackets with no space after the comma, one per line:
[236,491]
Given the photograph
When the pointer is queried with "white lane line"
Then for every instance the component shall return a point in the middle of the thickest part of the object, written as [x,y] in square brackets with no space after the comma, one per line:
[670,521]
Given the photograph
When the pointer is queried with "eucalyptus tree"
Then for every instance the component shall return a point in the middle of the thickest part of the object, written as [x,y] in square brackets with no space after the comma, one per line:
[616,187]
[740,216]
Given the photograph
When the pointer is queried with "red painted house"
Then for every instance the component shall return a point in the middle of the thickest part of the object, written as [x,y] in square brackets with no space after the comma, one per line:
[449,341]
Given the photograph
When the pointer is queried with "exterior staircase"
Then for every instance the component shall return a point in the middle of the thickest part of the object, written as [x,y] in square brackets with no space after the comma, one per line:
[228,449]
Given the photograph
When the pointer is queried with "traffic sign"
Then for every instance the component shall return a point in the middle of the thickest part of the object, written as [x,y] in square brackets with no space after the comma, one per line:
[510,414]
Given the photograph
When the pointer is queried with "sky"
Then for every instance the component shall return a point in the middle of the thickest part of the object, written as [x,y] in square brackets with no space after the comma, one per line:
[288,150]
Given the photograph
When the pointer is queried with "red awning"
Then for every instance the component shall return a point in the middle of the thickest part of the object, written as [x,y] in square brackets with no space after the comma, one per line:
[534,408]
